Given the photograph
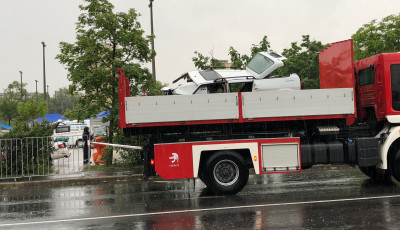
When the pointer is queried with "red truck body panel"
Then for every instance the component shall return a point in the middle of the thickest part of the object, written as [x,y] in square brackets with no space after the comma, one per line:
[378,96]
[123,91]
[336,69]
[175,160]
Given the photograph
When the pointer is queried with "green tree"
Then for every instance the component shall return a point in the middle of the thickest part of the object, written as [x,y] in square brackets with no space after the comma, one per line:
[32,108]
[8,109]
[204,62]
[9,104]
[105,41]
[377,37]
[62,101]
[240,61]
[13,91]
[22,161]
[303,60]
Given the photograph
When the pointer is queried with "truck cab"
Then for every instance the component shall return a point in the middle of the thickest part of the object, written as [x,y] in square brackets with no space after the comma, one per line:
[378,82]
[256,77]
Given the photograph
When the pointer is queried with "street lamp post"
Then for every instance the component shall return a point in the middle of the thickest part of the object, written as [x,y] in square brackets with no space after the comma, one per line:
[36,86]
[153,62]
[44,71]
[36,95]
[20,72]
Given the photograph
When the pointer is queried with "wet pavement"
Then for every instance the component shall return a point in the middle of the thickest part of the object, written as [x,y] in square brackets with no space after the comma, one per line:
[319,198]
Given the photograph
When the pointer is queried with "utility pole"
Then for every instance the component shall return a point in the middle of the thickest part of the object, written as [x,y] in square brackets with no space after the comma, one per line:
[21,83]
[36,95]
[153,62]
[48,91]
[36,86]
[44,72]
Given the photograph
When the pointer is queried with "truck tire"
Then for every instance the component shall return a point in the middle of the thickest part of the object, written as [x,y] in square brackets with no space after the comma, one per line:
[376,176]
[394,163]
[225,173]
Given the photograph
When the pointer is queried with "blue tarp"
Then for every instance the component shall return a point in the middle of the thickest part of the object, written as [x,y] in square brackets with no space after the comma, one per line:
[51,117]
[103,114]
[5,126]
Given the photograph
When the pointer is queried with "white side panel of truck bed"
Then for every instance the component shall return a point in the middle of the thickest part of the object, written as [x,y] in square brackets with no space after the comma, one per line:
[181,108]
[298,103]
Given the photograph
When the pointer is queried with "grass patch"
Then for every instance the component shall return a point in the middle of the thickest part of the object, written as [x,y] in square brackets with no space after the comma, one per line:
[78,183]
[111,167]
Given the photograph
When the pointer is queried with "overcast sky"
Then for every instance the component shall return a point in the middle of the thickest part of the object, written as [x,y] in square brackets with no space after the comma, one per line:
[181,27]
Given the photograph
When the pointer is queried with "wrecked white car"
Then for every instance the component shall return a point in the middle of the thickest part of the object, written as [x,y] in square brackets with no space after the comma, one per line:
[254,78]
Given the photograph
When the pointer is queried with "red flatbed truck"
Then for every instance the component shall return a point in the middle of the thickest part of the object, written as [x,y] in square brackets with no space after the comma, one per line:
[352,119]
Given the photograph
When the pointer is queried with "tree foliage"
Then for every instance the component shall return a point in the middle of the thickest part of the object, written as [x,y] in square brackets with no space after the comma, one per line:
[9,104]
[239,61]
[8,109]
[17,154]
[105,41]
[61,101]
[377,37]
[32,108]
[14,92]
[204,62]
[303,59]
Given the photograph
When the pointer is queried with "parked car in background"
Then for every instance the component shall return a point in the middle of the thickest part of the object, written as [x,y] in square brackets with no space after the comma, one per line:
[61,150]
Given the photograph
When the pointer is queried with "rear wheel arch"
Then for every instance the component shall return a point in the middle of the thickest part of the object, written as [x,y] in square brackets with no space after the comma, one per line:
[225,172]
[245,153]
[393,159]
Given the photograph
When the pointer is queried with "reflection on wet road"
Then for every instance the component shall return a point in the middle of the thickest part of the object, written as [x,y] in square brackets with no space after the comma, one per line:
[318,198]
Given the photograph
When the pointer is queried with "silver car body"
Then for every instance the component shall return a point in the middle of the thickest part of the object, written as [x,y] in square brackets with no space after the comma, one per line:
[254,78]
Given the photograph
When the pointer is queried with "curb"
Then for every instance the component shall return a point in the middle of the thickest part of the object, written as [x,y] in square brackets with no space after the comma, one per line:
[70,181]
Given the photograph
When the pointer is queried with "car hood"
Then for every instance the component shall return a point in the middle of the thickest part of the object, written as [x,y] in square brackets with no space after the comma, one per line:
[208,76]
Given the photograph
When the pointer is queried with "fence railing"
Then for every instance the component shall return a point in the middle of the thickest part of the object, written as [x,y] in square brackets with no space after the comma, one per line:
[33,156]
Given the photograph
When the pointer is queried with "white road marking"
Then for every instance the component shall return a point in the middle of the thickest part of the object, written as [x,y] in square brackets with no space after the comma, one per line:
[199,210]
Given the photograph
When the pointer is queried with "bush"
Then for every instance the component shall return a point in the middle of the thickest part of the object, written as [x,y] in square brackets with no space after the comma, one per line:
[26,150]
[22,129]
[106,155]
[129,156]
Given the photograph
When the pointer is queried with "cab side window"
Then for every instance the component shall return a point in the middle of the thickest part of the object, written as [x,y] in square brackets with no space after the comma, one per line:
[395,80]
[367,76]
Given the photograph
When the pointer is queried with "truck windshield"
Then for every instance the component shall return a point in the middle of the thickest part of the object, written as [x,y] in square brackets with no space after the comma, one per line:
[395,79]
[260,63]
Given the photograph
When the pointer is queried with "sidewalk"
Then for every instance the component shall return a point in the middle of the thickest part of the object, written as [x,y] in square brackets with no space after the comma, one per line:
[81,178]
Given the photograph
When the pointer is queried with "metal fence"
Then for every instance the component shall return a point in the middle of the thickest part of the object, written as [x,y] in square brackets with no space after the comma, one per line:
[33,156]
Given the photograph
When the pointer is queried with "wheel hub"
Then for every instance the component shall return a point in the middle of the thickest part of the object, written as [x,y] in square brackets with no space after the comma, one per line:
[226,172]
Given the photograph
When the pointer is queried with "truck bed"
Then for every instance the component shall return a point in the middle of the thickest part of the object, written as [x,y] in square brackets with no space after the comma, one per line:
[334,100]
[239,107]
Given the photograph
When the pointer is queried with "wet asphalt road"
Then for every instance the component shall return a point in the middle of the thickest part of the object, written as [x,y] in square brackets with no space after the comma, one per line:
[319,198]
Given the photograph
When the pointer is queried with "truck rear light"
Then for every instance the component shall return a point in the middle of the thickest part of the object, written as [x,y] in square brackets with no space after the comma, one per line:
[61,145]
[152,162]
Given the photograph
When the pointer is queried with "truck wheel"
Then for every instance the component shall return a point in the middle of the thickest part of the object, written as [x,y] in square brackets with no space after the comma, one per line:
[225,173]
[395,165]
[372,173]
